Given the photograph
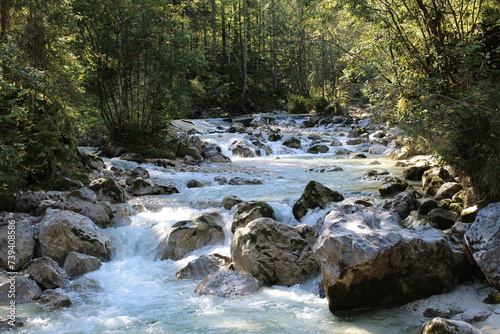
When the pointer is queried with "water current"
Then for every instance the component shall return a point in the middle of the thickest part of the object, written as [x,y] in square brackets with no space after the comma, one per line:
[138,292]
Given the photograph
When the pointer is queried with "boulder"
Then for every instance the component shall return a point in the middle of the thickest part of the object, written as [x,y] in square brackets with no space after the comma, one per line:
[228,283]
[236,128]
[392,187]
[199,268]
[239,181]
[326,169]
[140,172]
[46,272]
[141,187]
[444,326]
[468,215]
[132,156]
[107,189]
[273,252]
[434,178]
[244,148]
[84,202]
[318,148]
[377,175]
[426,205]
[368,260]
[315,195]
[228,202]
[112,151]
[188,235]
[213,153]
[355,141]
[61,232]
[24,245]
[447,190]
[26,289]
[292,142]
[28,201]
[356,155]
[415,173]
[77,264]
[196,184]
[483,241]
[186,148]
[377,149]
[475,315]
[92,161]
[248,211]
[403,203]
[441,218]
[52,300]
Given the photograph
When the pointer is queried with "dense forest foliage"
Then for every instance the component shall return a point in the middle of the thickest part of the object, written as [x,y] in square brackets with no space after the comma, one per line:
[116,71]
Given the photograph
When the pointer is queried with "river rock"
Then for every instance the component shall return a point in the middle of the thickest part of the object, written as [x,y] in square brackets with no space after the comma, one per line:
[228,202]
[248,211]
[199,268]
[415,173]
[468,215]
[426,205]
[239,181]
[447,190]
[26,289]
[84,202]
[273,252]
[52,300]
[61,232]
[441,218]
[141,187]
[24,245]
[318,148]
[188,235]
[377,149]
[403,203]
[292,142]
[392,187]
[228,283]
[76,264]
[107,189]
[244,148]
[112,151]
[236,128]
[368,260]
[92,161]
[132,156]
[140,172]
[444,326]
[434,178]
[196,184]
[28,201]
[315,195]
[475,315]
[213,154]
[483,241]
[46,272]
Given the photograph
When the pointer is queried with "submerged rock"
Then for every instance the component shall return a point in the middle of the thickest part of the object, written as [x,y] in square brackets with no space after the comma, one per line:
[228,283]
[199,268]
[315,196]
[273,252]
[53,299]
[368,260]
[292,142]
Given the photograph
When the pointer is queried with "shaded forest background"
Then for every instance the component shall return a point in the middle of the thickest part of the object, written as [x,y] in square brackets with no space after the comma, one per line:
[87,72]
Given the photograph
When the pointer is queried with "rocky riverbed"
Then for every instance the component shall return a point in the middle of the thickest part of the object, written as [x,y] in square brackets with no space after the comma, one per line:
[337,218]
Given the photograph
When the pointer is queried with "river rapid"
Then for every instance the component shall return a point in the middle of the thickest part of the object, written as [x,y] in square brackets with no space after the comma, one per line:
[138,292]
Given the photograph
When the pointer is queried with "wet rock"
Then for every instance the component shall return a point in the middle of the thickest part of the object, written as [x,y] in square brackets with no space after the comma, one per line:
[368,260]
[107,189]
[377,175]
[357,156]
[130,156]
[228,283]
[112,151]
[403,203]
[326,169]
[92,161]
[213,154]
[84,202]
[315,196]
[61,232]
[199,268]
[308,233]
[52,300]
[441,218]
[188,235]
[426,205]
[292,142]
[187,149]
[415,173]
[483,241]
[318,148]
[46,272]
[468,215]
[77,264]
[9,324]
[24,245]
[355,141]
[236,128]
[85,285]
[196,184]
[444,326]
[441,313]
[434,178]
[243,148]
[377,149]
[28,201]
[415,219]
[26,289]
[228,202]
[141,187]
[447,190]
[392,187]
[273,252]
[342,151]
[248,211]
[475,315]
[239,181]
[140,172]
[335,142]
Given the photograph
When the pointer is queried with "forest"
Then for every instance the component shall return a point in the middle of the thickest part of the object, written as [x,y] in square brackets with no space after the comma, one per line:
[115,72]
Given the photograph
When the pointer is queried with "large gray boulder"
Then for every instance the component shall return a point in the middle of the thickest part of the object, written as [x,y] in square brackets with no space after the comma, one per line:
[403,203]
[84,202]
[46,272]
[273,252]
[292,142]
[77,264]
[28,201]
[446,326]
[368,260]
[199,268]
[213,153]
[248,211]
[483,241]
[197,232]
[26,289]
[141,187]
[315,196]
[244,148]
[61,232]
[24,245]
[228,283]
[52,300]
[107,189]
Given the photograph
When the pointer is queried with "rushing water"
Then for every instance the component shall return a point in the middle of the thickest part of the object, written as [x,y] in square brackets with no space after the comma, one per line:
[138,292]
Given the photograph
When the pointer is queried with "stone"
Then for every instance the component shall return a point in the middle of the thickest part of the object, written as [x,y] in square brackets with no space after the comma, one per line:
[292,142]
[447,190]
[228,202]
[199,268]
[415,219]
[239,181]
[468,215]
[273,252]
[52,300]
[415,173]
[112,151]
[187,235]
[483,241]
[61,232]
[444,326]
[368,260]
[236,128]
[392,187]
[355,141]
[77,264]
[318,148]
[92,161]
[441,313]
[426,205]
[434,178]
[475,315]
[84,202]
[196,184]
[141,187]
[441,218]
[248,211]
[377,175]
[26,289]
[85,285]
[46,272]
[24,245]
[107,189]
[326,169]
[377,149]
[213,154]
[29,200]
[403,203]
[132,156]
[244,148]
[140,172]
[228,283]
[315,195]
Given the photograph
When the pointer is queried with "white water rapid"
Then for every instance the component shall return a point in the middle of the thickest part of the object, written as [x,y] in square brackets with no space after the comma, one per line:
[137,292]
